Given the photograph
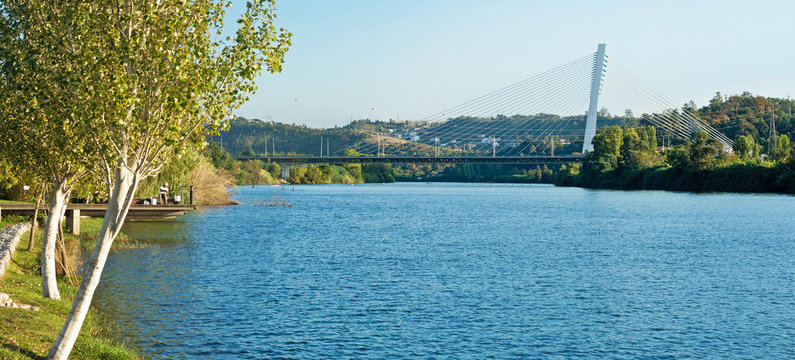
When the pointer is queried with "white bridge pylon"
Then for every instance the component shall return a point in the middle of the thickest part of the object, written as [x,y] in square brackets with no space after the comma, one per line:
[593,107]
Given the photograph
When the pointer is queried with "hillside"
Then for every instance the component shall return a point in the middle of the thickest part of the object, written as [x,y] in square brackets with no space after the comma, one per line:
[744,114]
[748,114]
[518,135]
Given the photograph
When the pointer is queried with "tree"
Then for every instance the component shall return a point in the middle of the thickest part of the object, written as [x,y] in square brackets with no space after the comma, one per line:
[630,147]
[783,148]
[678,157]
[744,147]
[144,80]
[607,145]
[648,137]
[42,103]
[605,154]
[716,101]
[703,149]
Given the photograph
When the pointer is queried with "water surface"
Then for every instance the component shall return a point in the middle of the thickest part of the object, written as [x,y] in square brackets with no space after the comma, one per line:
[461,271]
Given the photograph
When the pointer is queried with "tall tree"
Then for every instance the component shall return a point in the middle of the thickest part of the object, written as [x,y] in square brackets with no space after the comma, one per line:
[154,76]
[42,104]
[703,149]
[783,148]
[744,147]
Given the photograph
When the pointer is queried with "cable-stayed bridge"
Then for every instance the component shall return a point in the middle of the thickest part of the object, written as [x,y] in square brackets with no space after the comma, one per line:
[547,118]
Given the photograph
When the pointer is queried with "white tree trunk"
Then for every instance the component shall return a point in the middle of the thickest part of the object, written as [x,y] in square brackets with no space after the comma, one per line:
[49,283]
[118,205]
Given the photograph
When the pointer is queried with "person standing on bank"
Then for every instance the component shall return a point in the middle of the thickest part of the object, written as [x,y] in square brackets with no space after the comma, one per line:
[163,194]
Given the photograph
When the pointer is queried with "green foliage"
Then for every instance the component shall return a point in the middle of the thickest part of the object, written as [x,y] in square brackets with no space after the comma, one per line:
[44,99]
[749,115]
[703,150]
[744,147]
[219,157]
[699,165]
[253,172]
[568,175]
[377,173]
[355,171]
[678,157]
[474,173]
[8,175]
[332,174]
[606,150]
[250,137]
[607,143]
[639,149]
[103,81]
[351,152]
[176,173]
[648,137]
[783,148]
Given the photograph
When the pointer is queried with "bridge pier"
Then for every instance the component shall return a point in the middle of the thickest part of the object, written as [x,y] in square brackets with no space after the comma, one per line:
[73,220]
[285,171]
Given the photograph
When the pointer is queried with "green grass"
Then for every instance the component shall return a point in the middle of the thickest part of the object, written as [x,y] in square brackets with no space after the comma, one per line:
[4,201]
[13,219]
[27,334]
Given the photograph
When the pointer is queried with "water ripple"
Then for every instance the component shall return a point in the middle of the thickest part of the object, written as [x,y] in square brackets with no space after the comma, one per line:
[462,271]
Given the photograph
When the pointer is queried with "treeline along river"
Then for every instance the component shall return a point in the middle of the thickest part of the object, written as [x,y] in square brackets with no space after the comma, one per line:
[461,271]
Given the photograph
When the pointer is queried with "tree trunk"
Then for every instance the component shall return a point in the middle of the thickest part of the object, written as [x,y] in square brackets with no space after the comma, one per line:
[49,283]
[119,203]
[34,223]
[64,257]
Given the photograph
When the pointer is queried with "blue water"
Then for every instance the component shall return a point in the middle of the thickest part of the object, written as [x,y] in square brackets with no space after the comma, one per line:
[462,271]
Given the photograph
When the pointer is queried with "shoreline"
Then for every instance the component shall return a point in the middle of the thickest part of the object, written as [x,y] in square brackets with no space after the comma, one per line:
[28,333]
[402,181]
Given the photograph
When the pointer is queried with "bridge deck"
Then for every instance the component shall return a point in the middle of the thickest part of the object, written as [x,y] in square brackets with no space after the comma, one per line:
[75,211]
[98,210]
[416,159]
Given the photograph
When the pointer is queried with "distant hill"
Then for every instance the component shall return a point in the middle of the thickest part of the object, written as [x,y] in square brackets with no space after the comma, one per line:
[744,114]
[251,136]
[247,136]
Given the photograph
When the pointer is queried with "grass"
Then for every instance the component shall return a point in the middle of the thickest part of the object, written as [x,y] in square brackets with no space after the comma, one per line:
[27,334]
[13,219]
[4,201]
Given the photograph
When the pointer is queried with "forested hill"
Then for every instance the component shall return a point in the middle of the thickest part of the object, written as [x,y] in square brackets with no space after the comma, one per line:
[247,136]
[251,136]
[735,115]
[748,114]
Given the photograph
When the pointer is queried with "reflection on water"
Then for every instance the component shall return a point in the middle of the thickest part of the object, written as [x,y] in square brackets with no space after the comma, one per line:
[461,270]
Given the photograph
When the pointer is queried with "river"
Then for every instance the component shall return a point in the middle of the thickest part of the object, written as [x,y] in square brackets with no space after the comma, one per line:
[461,271]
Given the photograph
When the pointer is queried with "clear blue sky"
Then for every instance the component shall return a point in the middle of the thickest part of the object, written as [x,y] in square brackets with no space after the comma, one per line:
[410,58]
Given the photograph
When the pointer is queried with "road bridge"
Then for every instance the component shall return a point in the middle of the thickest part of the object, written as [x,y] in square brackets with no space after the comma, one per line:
[286,162]
[554,110]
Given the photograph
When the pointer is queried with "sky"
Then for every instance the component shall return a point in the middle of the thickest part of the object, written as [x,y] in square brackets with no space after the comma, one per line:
[408,59]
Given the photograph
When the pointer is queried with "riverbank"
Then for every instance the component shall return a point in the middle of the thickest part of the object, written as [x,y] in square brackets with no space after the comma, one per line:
[28,334]
[735,178]
[630,159]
